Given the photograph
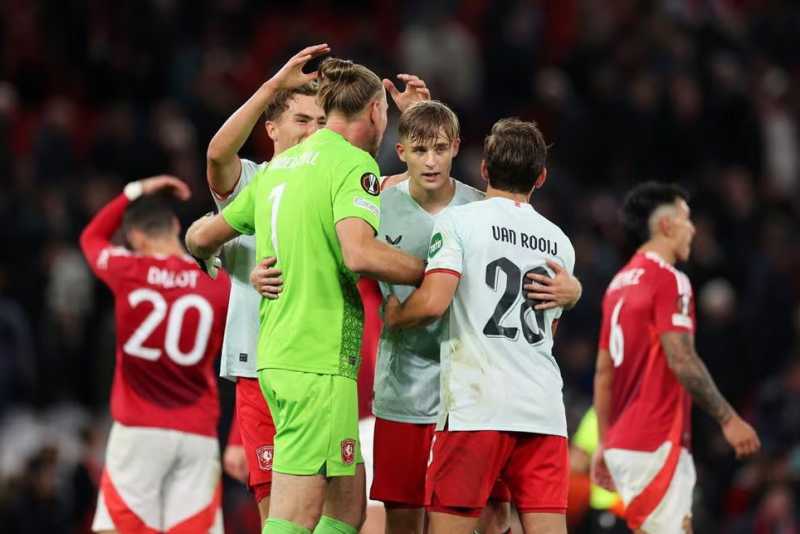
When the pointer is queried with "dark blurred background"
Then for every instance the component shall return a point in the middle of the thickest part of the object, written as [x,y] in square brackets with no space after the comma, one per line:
[95,93]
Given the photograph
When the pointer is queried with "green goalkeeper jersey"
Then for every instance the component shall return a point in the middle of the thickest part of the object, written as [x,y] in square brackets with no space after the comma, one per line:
[293,206]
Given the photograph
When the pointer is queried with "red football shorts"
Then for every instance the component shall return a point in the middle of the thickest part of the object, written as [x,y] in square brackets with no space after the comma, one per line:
[401,455]
[258,435]
[466,465]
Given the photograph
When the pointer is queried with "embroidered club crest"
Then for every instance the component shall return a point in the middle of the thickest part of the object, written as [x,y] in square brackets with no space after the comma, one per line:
[348,451]
[264,455]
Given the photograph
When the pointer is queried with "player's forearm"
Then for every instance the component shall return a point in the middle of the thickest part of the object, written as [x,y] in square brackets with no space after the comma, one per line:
[224,165]
[206,235]
[576,295]
[419,309]
[380,261]
[692,373]
[98,233]
[603,380]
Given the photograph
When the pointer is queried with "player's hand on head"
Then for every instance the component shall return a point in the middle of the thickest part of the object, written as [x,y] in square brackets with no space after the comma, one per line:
[599,471]
[562,290]
[415,91]
[165,182]
[266,279]
[741,436]
[234,462]
[291,75]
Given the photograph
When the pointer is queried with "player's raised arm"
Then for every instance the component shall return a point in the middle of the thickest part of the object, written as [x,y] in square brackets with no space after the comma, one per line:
[98,233]
[222,159]
[692,373]
[365,255]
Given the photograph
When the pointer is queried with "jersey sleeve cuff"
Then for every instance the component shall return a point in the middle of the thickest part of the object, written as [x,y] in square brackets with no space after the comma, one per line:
[444,271]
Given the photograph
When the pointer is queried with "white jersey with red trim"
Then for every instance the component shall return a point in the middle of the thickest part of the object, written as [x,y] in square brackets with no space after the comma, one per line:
[239,259]
[498,369]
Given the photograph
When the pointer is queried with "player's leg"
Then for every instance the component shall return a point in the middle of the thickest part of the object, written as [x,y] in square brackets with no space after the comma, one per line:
[496,516]
[258,437]
[345,503]
[137,460]
[346,500]
[402,451]
[544,523]
[192,491]
[463,468]
[303,412]
[451,523]
[297,500]
[537,474]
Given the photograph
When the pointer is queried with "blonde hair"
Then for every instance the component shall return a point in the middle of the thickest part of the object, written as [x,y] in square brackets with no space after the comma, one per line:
[346,87]
[423,121]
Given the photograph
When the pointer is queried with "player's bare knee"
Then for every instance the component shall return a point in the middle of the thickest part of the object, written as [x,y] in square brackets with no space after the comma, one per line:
[687,524]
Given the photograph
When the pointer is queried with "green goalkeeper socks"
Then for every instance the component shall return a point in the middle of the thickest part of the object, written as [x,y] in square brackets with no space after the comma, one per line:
[329,525]
[281,526]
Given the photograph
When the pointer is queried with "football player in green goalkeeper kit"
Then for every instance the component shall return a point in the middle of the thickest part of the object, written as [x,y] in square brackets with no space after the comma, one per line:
[316,209]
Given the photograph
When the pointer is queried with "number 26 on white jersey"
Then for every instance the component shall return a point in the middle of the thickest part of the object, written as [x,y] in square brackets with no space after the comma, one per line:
[135,344]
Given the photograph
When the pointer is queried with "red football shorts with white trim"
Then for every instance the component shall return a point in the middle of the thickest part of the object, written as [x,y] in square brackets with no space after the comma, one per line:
[466,464]
[258,435]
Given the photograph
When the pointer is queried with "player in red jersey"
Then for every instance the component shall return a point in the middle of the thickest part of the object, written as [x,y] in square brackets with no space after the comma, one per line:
[648,371]
[162,471]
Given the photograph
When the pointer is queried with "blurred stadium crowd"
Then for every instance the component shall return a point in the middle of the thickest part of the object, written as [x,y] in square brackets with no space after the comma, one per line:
[707,93]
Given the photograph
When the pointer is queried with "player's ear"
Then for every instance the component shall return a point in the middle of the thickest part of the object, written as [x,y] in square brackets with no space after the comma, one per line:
[176,226]
[400,148]
[135,239]
[272,130]
[456,145]
[541,179]
[484,170]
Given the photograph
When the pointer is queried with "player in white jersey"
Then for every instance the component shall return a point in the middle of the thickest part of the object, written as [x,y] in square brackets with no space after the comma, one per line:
[287,102]
[406,402]
[291,112]
[502,413]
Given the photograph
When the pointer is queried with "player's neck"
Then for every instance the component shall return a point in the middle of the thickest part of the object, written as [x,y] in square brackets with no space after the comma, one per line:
[522,198]
[356,131]
[660,247]
[435,200]
[161,247]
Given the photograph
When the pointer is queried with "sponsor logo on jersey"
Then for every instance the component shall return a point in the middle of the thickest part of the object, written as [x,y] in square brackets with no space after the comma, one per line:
[348,451]
[436,244]
[371,184]
[264,455]
[395,241]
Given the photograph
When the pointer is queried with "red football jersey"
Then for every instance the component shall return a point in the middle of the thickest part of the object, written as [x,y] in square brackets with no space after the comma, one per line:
[649,406]
[170,318]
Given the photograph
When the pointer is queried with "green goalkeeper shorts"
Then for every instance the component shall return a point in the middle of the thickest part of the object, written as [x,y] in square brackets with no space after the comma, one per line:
[316,422]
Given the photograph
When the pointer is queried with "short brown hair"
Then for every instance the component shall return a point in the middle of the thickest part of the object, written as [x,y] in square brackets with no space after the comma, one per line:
[280,101]
[346,87]
[515,154]
[423,121]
